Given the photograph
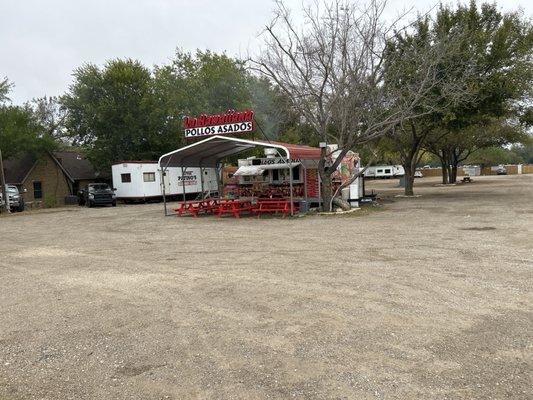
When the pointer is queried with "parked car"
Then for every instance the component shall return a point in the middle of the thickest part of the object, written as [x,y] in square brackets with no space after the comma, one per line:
[97,194]
[16,201]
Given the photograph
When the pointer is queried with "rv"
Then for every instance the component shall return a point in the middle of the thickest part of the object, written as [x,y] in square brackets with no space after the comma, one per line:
[384,172]
[141,180]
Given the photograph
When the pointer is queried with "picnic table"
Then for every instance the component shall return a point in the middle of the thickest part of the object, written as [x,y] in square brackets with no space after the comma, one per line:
[273,205]
[234,207]
[195,207]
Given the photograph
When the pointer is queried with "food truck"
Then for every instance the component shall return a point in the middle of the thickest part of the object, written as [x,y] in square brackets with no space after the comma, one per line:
[141,180]
[269,177]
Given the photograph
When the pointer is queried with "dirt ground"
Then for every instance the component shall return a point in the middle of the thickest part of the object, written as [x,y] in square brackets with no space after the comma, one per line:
[423,298]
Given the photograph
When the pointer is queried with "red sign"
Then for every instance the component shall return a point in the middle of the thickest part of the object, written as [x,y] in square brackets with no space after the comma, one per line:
[230,122]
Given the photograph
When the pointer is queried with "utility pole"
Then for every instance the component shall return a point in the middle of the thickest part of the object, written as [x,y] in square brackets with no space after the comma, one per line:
[3,185]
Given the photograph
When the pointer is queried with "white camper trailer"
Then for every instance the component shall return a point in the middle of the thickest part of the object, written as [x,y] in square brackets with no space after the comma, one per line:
[384,171]
[141,180]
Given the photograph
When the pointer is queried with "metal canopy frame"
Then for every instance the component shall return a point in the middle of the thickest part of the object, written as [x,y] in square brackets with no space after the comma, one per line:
[207,153]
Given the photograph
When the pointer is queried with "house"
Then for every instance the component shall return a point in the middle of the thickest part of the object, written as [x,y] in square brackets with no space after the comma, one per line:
[52,178]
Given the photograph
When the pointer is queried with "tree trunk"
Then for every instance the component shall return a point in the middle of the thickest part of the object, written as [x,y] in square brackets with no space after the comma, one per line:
[343,204]
[454,162]
[453,174]
[449,173]
[3,191]
[409,169]
[326,191]
[444,172]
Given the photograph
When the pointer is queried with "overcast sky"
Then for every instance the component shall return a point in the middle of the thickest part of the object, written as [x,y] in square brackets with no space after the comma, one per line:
[42,42]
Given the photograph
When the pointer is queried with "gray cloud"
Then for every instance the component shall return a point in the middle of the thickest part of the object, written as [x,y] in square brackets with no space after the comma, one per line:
[42,42]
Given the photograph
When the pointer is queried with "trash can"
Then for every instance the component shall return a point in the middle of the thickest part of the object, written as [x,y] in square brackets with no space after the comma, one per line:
[303,206]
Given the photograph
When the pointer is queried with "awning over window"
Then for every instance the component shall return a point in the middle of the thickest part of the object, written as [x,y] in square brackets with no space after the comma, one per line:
[249,170]
[254,170]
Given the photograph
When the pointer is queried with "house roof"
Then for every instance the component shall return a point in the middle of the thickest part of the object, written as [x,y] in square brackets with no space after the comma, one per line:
[16,169]
[75,165]
[208,152]
[134,162]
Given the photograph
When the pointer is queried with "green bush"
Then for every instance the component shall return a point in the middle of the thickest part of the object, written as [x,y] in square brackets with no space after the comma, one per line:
[50,201]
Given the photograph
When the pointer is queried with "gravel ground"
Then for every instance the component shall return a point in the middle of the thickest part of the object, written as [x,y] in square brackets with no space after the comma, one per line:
[423,298]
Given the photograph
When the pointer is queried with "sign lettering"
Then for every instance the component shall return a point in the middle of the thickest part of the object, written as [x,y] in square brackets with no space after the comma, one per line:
[230,122]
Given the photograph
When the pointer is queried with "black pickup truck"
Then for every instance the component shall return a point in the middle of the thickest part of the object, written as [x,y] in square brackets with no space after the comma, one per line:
[95,194]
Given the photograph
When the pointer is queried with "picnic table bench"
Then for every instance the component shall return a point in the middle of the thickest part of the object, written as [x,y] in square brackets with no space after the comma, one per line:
[275,206]
[234,207]
[194,207]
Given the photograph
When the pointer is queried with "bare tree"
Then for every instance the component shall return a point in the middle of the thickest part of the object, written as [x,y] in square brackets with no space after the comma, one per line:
[333,70]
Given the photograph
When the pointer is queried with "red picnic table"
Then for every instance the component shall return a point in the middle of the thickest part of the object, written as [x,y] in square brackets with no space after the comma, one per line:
[233,206]
[194,207]
[273,205]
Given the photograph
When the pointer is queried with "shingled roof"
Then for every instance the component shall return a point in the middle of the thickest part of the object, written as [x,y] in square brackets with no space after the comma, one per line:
[73,163]
[16,169]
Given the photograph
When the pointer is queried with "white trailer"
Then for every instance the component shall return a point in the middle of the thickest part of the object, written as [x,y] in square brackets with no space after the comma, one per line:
[384,171]
[141,180]
[472,170]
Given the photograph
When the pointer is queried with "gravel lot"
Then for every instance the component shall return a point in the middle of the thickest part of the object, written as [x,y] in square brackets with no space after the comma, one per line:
[423,298]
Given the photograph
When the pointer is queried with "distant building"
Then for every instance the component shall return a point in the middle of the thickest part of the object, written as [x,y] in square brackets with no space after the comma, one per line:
[52,177]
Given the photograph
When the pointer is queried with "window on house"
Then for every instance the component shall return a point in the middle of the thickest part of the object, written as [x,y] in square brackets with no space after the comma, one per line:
[126,178]
[296,173]
[37,190]
[149,176]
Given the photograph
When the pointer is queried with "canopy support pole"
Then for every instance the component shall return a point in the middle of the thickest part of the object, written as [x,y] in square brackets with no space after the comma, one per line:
[164,191]
[163,174]
[218,171]
[183,184]
[305,183]
[291,187]
[202,182]
[319,191]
